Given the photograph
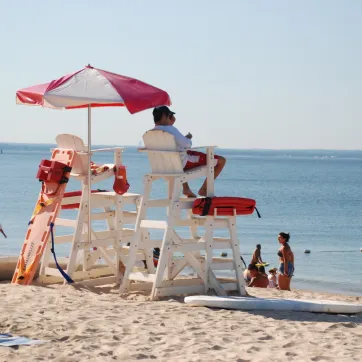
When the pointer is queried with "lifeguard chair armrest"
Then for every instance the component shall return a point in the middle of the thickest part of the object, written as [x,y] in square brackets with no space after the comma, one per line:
[173,151]
[112,149]
[199,147]
[97,150]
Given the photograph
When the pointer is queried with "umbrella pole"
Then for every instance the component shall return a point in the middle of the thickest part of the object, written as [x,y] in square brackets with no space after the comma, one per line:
[89,172]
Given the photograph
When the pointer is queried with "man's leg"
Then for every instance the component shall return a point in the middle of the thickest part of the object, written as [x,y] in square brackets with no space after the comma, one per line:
[187,191]
[218,168]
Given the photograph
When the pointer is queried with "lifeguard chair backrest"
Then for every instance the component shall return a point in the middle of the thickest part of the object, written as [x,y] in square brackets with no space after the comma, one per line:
[70,141]
[168,161]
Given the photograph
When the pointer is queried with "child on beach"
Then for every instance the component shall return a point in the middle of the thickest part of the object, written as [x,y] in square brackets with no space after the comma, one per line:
[272,278]
[164,119]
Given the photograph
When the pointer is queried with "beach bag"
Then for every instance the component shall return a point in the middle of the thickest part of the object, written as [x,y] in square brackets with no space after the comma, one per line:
[224,206]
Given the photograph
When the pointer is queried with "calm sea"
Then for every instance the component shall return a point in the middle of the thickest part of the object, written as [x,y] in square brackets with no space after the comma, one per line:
[314,195]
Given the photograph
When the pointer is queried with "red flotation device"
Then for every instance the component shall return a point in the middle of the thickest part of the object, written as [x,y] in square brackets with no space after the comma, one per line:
[53,171]
[121,184]
[224,206]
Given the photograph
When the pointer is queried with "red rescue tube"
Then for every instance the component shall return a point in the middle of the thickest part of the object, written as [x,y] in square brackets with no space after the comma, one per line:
[224,206]
[75,193]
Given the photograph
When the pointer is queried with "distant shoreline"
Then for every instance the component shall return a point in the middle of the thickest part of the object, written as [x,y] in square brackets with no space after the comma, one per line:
[224,148]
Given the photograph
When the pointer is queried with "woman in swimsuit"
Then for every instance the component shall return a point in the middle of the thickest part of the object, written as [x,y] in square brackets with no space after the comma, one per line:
[286,258]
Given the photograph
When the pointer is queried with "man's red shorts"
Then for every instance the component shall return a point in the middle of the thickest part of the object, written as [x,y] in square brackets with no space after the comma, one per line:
[201,162]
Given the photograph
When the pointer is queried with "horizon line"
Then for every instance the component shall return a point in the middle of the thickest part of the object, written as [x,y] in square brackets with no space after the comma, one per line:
[245,149]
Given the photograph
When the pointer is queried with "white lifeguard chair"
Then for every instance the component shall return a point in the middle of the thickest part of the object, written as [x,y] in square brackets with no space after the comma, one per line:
[100,260]
[197,251]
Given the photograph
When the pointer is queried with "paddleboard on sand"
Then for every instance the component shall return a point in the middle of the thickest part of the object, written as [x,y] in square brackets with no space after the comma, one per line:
[295,305]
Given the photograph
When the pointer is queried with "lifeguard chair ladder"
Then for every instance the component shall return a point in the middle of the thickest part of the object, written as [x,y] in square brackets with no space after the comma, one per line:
[166,164]
[108,246]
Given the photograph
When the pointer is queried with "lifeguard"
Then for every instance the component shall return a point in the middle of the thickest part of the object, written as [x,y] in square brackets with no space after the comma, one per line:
[164,119]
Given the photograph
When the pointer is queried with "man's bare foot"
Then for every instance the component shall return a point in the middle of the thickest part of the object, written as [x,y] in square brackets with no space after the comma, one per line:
[187,192]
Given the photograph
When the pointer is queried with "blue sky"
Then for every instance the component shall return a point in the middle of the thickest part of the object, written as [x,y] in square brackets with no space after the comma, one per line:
[241,74]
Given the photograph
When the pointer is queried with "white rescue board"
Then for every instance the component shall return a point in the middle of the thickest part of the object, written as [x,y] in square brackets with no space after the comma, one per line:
[295,305]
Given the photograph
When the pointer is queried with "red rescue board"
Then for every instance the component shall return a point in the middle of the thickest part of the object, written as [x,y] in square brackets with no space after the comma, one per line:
[45,213]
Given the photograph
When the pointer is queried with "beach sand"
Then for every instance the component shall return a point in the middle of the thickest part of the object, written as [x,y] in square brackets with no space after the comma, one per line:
[85,325]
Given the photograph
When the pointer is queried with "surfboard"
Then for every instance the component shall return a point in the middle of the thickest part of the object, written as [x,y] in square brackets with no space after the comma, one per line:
[295,305]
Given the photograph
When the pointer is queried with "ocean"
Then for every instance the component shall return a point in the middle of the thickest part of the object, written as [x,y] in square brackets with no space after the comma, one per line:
[316,195]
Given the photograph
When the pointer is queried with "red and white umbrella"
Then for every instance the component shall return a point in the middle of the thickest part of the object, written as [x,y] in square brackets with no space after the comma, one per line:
[92,87]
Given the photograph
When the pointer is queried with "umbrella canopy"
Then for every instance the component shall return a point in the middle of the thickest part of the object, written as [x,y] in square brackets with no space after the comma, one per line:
[91,87]
[95,88]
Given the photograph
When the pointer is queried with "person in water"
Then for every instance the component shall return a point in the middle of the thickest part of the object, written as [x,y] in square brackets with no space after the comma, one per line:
[164,119]
[258,280]
[2,231]
[256,257]
[286,258]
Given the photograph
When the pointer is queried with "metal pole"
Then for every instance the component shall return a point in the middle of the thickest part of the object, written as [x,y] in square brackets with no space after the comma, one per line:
[89,171]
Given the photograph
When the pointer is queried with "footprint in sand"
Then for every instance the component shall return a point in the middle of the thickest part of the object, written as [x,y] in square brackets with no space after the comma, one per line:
[321,358]
[253,349]
[143,356]
[289,345]
[342,324]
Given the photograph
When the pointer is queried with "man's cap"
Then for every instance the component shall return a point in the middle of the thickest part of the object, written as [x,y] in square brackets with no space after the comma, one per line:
[162,110]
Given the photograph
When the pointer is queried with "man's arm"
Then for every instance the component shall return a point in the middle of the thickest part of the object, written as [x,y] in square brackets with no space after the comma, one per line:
[260,259]
[181,140]
[285,261]
[252,282]
[258,256]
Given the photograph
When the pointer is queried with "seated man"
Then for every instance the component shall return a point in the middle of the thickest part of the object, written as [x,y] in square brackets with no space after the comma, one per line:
[164,120]
[258,280]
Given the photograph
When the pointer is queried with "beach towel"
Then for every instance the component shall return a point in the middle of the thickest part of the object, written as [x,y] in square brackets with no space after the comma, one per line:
[7,340]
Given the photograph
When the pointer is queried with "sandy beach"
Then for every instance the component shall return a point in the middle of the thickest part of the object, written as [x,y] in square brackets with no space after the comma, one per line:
[88,325]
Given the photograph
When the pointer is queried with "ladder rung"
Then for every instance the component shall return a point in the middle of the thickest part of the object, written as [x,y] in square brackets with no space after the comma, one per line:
[193,246]
[142,277]
[93,273]
[223,240]
[222,260]
[66,222]
[222,266]
[53,272]
[153,224]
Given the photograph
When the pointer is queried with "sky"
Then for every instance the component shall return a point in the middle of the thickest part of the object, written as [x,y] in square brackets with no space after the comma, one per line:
[272,74]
